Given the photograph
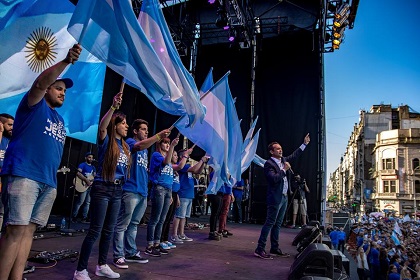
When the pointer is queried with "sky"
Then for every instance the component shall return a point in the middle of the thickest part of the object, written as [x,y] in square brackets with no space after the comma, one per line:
[377,63]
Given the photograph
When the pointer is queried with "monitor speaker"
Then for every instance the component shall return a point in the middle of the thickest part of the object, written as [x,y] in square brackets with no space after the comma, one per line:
[306,231]
[314,237]
[315,260]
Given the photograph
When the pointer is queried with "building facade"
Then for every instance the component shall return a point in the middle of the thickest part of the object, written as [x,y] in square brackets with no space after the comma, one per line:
[358,184]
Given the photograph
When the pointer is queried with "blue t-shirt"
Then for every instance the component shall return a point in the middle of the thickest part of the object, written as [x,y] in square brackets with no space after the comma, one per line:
[3,146]
[36,147]
[186,180]
[176,185]
[87,169]
[137,183]
[122,162]
[225,189]
[161,174]
[238,193]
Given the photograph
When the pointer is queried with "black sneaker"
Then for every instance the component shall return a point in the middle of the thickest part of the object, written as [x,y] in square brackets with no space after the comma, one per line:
[228,233]
[120,263]
[224,234]
[278,252]
[262,254]
[137,258]
[214,236]
[161,250]
[151,251]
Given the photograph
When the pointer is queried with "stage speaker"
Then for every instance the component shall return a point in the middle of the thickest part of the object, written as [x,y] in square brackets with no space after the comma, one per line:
[315,260]
[326,240]
[312,238]
[258,212]
[306,231]
[338,259]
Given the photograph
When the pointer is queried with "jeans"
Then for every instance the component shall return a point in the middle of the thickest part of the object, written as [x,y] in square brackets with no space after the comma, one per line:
[104,208]
[237,210]
[133,206]
[161,200]
[216,206]
[274,219]
[169,217]
[82,199]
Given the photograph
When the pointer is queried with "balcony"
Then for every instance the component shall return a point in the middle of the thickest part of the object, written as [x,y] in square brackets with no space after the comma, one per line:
[388,172]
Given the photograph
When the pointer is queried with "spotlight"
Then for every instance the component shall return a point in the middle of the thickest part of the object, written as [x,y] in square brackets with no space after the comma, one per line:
[211,1]
[341,22]
[343,11]
[231,38]
[338,32]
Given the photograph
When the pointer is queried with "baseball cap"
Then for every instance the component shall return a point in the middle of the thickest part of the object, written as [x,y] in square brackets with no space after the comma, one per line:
[68,82]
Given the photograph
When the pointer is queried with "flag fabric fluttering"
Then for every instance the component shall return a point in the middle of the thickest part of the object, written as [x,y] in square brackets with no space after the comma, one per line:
[250,133]
[220,125]
[37,38]
[248,154]
[141,50]
[208,82]
[259,160]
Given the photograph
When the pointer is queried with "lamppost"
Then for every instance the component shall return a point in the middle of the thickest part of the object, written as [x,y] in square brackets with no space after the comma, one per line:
[414,190]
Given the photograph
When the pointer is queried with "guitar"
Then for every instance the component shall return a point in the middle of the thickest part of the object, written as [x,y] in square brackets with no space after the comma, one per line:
[80,185]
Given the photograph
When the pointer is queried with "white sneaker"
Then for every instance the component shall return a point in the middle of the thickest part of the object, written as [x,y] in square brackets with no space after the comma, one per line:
[81,275]
[106,271]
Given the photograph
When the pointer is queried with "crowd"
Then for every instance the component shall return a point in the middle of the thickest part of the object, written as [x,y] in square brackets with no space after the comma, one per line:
[385,247]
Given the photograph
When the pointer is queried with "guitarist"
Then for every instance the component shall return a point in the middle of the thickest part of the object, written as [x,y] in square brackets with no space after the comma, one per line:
[84,176]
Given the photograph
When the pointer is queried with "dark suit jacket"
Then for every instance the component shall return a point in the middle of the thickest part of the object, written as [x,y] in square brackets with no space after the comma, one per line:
[275,176]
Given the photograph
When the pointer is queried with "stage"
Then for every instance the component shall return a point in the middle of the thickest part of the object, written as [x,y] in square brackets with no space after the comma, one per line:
[230,258]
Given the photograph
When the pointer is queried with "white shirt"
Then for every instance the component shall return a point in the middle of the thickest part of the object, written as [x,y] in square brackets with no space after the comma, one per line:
[281,166]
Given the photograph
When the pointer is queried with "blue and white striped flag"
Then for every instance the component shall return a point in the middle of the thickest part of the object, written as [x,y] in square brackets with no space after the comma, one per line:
[259,160]
[208,82]
[37,38]
[142,51]
[249,153]
[250,133]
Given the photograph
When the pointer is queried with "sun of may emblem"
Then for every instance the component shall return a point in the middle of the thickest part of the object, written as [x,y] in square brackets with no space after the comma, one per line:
[40,47]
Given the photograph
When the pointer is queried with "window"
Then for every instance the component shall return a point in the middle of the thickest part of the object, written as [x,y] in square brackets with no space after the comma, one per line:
[416,163]
[390,186]
[417,186]
[388,163]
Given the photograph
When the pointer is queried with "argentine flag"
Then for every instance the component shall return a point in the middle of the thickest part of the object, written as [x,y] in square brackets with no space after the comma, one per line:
[34,37]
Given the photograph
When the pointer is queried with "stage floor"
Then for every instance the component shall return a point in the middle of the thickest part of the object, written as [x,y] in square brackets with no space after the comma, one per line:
[230,258]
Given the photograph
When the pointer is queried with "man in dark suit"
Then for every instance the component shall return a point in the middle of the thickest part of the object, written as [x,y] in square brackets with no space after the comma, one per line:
[277,172]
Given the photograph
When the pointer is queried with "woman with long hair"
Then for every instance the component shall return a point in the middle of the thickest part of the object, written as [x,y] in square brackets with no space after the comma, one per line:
[106,193]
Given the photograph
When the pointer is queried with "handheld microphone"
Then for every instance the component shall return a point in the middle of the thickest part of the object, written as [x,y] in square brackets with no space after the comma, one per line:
[94,160]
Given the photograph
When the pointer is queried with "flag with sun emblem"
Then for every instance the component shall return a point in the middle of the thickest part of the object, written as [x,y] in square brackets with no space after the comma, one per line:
[35,37]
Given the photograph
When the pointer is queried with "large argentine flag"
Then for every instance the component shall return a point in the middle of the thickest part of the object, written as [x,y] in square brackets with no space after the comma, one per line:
[220,131]
[144,55]
[34,37]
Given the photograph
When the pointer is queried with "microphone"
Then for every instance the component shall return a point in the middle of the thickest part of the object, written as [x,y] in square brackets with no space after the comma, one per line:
[291,171]
[94,160]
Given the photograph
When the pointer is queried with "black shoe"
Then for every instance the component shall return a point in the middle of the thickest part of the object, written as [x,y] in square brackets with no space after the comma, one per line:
[214,236]
[161,250]
[278,252]
[262,254]
[151,251]
[228,233]
[224,234]
[85,221]
[74,220]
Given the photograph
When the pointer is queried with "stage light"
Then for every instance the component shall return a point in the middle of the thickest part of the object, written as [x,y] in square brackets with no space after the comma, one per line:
[211,1]
[231,38]
[341,22]
[338,32]
[343,11]
[257,25]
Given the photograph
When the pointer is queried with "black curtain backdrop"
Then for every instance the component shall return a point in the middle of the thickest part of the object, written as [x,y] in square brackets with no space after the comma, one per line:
[286,100]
